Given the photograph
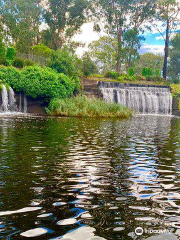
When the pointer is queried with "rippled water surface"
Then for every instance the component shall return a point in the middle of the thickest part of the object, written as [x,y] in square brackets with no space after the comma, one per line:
[82,179]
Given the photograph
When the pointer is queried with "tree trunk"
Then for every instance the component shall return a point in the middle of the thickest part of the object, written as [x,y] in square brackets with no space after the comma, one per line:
[118,65]
[166,51]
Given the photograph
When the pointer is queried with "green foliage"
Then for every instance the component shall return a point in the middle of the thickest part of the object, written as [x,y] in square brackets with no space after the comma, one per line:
[103,51]
[18,63]
[174,54]
[2,50]
[10,55]
[62,62]
[157,73]
[147,72]
[112,74]
[40,82]
[131,72]
[81,106]
[149,60]
[89,66]
[155,79]
[41,50]
[22,20]
[63,18]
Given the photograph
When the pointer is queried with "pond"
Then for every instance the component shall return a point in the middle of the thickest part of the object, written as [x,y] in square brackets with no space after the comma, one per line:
[78,179]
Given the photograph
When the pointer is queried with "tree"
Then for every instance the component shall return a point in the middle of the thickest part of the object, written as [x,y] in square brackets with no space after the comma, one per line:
[103,51]
[131,44]
[149,60]
[10,55]
[20,21]
[62,62]
[168,15]
[64,18]
[174,53]
[121,15]
[89,67]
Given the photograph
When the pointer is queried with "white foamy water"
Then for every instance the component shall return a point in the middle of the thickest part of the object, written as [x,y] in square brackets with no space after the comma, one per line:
[143,99]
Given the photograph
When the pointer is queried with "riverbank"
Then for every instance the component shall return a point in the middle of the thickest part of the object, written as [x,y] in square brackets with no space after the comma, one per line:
[82,106]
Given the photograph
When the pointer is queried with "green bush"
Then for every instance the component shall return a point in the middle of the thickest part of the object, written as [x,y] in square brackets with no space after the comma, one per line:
[131,72]
[40,82]
[147,72]
[18,63]
[176,81]
[112,74]
[11,76]
[62,62]
[89,67]
[41,50]
[154,79]
[10,55]
[81,106]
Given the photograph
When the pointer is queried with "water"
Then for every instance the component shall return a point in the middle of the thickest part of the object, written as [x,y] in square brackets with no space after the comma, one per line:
[7,101]
[153,100]
[84,179]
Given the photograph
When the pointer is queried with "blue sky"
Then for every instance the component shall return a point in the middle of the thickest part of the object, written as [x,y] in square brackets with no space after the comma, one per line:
[153,43]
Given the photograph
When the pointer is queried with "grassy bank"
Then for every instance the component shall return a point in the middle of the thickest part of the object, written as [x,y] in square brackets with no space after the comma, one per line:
[81,106]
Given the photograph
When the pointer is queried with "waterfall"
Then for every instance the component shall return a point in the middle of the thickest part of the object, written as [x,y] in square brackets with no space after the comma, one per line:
[143,99]
[12,101]
[25,104]
[4,94]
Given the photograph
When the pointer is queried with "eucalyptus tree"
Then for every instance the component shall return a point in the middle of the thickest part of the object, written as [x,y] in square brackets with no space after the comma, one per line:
[63,18]
[168,16]
[20,21]
[174,54]
[103,51]
[117,16]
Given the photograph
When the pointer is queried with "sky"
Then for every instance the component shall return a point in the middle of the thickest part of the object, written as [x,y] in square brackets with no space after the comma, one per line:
[153,43]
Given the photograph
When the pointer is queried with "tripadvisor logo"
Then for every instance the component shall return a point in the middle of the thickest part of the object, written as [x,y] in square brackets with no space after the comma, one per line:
[139,231]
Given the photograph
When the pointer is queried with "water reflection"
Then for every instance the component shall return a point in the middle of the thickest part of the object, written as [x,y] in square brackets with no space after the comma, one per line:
[88,179]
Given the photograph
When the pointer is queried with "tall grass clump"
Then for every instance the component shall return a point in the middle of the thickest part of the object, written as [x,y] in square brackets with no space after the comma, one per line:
[81,106]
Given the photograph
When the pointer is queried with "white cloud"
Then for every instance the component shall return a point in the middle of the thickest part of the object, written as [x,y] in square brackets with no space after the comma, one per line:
[156,49]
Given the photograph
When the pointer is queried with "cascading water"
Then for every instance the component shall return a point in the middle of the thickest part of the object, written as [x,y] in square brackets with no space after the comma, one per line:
[7,100]
[143,99]
[4,94]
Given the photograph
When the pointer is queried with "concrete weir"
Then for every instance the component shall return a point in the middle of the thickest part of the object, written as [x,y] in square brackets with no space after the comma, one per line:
[145,99]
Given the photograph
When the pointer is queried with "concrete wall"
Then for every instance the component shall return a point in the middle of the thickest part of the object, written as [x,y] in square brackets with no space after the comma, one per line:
[35,106]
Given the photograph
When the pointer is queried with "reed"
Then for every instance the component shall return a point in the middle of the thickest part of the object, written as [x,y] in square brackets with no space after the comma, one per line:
[81,106]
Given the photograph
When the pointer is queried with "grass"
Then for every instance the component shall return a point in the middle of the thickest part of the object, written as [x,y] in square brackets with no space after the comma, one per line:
[103,79]
[175,89]
[81,106]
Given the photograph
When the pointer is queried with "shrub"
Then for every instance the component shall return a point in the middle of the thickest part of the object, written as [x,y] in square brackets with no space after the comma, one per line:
[147,72]
[81,106]
[28,63]
[112,74]
[157,73]
[154,79]
[18,63]
[40,82]
[131,72]
[10,55]
[140,78]
[89,67]
[62,62]
[41,50]
[11,76]
[176,81]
